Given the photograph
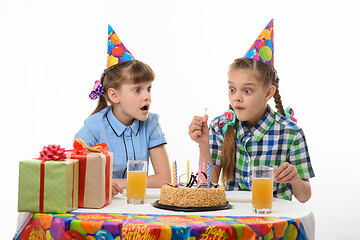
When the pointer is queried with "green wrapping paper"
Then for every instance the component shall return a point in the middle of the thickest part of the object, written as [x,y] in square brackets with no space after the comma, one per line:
[59,181]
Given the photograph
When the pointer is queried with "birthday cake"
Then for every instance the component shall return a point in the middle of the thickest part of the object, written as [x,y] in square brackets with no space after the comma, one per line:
[196,191]
[192,197]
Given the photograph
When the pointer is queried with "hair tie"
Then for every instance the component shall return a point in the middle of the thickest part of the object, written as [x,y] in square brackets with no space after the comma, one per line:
[229,120]
[97,91]
[290,114]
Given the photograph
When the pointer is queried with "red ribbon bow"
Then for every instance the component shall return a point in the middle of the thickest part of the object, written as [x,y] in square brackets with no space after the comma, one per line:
[52,152]
[80,147]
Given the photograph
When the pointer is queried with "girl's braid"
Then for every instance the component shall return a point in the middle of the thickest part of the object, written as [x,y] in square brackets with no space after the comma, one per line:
[277,98]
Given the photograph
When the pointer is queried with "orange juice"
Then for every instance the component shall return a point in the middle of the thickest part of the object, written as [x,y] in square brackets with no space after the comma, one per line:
[136,185]
[262,193]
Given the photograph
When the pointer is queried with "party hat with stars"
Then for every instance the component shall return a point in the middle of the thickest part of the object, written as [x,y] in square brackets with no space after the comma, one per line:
[263,48]
[117,51]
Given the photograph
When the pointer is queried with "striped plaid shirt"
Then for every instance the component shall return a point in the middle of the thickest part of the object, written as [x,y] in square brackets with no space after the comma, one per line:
[271,142]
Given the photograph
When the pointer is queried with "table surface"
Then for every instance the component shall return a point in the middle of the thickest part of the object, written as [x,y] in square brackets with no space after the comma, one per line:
[240,201]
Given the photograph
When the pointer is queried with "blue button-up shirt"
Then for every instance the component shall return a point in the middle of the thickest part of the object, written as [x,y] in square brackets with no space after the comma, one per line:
[126,142]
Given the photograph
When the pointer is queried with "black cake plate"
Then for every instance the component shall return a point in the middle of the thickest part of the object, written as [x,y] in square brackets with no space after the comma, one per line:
[191,209]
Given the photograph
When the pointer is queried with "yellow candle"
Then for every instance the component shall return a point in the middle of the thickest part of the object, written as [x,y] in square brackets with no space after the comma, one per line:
[173,174]
[188,171]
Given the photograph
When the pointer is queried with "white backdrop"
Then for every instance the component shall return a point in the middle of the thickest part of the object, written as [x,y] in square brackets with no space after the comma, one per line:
[51,52]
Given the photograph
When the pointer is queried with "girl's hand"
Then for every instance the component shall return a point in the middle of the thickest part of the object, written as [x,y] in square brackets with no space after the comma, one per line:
[286,173]
[116,189]
[199,130]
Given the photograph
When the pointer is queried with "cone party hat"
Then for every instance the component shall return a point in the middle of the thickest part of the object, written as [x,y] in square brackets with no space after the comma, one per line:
[117,51]
[263,48]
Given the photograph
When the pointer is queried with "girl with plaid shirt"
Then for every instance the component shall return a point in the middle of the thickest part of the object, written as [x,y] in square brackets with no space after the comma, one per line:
[252,134]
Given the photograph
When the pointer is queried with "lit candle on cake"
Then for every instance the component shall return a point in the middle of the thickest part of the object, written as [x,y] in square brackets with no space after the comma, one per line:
[208,174]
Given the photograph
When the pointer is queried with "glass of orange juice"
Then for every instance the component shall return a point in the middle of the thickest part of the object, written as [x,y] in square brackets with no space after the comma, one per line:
[136,181]
[262,189]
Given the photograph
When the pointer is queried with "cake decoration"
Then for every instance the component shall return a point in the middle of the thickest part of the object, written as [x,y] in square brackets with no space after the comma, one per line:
[202,167]
[174,174]
[199,180]
[194,180]
[208,183]
[188,171]
[194,190]
[176,182]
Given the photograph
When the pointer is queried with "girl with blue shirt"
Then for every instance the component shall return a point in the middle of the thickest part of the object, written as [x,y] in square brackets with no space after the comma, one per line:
[127,126]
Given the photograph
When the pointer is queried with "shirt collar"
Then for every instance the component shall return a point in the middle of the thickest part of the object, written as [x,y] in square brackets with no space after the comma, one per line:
[263,126]
[260,128]
[242,129]
[118,127]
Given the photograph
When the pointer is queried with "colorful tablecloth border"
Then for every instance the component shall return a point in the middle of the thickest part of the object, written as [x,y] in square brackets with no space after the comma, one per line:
[116,226]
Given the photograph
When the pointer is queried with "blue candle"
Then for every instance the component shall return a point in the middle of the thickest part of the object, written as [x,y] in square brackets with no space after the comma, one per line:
[208,174]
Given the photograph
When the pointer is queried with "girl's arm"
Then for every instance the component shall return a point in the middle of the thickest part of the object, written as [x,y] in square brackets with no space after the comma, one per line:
[287,173]
[302,190]
[161,165]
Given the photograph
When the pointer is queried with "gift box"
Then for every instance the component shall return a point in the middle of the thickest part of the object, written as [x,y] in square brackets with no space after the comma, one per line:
[95,173]
[48,186]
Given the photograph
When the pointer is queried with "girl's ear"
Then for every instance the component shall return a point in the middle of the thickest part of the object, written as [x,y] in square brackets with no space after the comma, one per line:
[270,92]
[113,95]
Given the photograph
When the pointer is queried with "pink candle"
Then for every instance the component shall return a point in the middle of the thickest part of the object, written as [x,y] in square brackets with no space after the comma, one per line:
[199,175]
[203,166]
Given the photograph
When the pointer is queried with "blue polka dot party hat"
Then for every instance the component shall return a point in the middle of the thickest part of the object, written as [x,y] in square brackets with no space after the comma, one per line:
[117,51]
[263,48]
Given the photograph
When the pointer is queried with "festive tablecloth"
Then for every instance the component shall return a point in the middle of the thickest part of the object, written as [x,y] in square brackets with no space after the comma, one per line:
[109,226]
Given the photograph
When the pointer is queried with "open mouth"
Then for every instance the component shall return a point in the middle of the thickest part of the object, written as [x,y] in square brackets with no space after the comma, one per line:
[145,108]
